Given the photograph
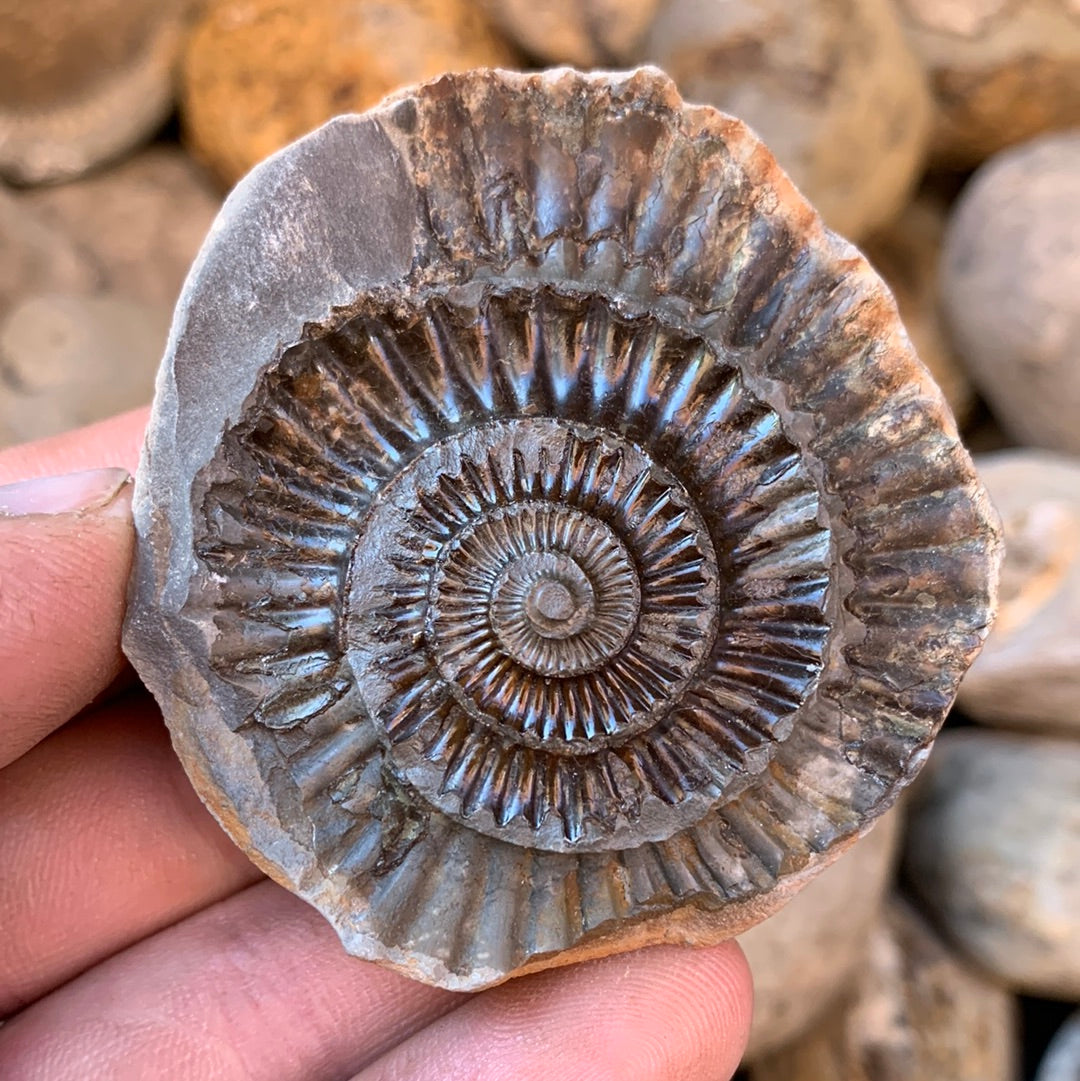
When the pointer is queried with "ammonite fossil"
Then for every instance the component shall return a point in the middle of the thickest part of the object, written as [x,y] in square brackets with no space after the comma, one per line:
[548,540]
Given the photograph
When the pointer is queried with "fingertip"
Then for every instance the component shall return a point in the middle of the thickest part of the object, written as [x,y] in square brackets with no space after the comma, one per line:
[64,570]
[705,996]
[733,986]
[650,1015]
[105,491]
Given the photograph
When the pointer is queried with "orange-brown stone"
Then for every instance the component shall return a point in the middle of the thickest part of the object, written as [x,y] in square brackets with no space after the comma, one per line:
[259,73]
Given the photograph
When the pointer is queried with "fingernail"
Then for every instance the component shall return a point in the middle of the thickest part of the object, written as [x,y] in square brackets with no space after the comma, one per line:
[74,493]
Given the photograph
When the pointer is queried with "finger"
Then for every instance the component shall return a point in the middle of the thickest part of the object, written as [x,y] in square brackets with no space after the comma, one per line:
[62,575]
[661,1014]
[256,987]
[65,554]
[113,845]
[113,442]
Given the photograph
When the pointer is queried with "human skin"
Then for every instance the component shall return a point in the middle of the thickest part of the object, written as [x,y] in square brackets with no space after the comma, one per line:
[136,941]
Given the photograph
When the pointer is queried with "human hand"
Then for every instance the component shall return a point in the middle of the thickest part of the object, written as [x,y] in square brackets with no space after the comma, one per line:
[136,941]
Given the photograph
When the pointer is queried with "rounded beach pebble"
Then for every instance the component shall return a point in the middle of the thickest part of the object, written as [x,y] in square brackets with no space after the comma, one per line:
[1010,288]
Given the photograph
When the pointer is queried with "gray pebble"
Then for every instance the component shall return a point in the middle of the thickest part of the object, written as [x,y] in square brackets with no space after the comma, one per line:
[993,851]
[803,957]
[69,360]
[1062,1059]
[1028,674]
[1010,287]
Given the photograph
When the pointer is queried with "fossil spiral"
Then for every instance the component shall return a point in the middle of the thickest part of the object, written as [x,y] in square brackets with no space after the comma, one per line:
[548,541]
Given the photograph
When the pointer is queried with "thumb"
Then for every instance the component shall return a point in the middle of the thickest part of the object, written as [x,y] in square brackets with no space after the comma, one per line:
[65,553]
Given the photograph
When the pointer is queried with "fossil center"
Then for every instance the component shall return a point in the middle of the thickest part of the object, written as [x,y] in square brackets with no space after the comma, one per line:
[534,603]
[550,604]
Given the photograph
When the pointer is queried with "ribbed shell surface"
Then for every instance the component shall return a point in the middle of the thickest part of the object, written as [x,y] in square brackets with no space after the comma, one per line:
[548,539]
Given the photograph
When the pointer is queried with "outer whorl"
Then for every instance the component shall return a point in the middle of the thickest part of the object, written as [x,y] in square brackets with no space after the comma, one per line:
[549,542]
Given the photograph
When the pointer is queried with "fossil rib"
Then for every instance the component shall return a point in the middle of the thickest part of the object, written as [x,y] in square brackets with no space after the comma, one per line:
[548,541]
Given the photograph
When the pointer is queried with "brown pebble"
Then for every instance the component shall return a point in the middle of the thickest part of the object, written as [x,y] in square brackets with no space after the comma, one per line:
[833,89]
[588,33]
[81,82]
[1002,71]
[259,73]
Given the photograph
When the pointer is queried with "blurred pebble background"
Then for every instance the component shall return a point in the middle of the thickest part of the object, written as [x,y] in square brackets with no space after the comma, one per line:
[942,136]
